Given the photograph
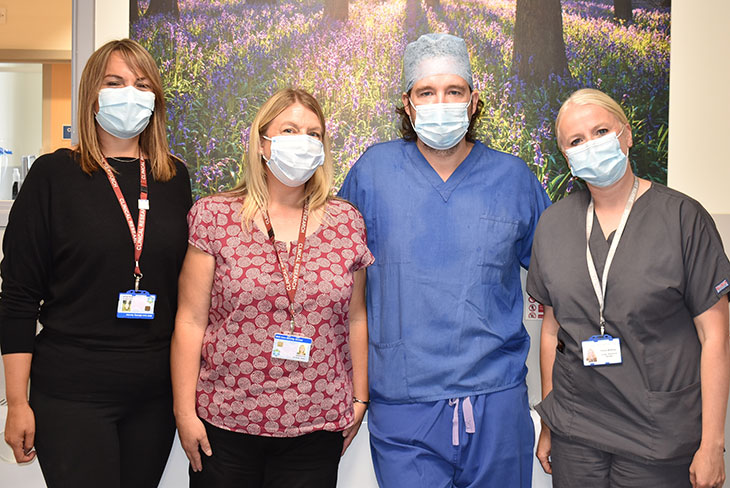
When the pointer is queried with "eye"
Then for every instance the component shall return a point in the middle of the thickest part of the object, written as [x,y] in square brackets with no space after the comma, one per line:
[143,85]
[111,83]
[316,135]
[602,132]
[455,92]
[425,93]
[576,142]
[287,130]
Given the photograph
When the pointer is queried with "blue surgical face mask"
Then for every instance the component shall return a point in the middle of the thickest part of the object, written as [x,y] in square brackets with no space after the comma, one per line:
[294,159]
[599,162]
[441,125]
[124,112]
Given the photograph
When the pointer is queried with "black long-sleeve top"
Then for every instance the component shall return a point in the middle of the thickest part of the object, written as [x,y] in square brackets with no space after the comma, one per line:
[68,253]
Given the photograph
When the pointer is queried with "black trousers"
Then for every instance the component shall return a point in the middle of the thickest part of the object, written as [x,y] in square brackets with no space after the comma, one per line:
[576,465]
[252,461]
[121,444]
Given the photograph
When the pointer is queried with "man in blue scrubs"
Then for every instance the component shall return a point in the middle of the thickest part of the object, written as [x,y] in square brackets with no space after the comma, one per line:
[450,222]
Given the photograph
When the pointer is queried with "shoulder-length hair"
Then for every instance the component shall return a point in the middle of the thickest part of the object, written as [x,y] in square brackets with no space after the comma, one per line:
[253,184]
[153,140]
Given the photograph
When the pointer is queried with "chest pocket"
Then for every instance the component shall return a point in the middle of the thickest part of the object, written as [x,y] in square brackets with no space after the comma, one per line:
[496,247]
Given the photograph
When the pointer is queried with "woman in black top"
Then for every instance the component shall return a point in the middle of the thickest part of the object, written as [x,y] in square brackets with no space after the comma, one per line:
[100,404]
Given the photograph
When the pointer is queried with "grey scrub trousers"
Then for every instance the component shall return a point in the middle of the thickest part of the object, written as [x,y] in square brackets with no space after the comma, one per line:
[669,267]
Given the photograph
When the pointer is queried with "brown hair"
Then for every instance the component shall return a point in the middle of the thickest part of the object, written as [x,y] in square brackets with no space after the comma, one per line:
[153,140]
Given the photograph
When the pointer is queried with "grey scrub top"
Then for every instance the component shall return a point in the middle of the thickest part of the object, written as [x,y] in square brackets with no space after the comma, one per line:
[669,267]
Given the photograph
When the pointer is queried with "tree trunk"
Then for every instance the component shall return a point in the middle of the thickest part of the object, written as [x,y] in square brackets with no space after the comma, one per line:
[413,12]
[434,4]
[163,7]
[337,9]
[133,11]
[622,11]
[539,49]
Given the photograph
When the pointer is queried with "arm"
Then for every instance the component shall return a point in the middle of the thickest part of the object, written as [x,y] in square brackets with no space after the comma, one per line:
[708,466]
[20,423]
[548,345]
[195,285]
[359,352]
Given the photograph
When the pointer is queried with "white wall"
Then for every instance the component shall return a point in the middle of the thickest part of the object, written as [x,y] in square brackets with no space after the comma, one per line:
[21,110]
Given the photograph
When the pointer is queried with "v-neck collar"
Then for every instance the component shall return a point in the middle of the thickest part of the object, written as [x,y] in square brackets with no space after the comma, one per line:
[598,241]
[444,188]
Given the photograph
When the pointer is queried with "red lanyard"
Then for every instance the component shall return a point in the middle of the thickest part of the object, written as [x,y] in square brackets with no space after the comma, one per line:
[138,235]
[292,283]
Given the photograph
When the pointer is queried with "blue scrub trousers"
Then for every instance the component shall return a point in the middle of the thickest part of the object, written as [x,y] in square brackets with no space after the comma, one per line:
[413,444]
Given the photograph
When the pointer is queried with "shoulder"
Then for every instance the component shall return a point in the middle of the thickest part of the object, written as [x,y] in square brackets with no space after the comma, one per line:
[663,196]
[217,204]
[382,151]
[500,160]
[54,162]
[181,169]
[341,212]
[337,206]
[565,210]
[54,170]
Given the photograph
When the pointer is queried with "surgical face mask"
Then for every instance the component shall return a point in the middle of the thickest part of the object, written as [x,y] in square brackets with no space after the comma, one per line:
[441,125]
[124,112]
[294,159]
[599,162]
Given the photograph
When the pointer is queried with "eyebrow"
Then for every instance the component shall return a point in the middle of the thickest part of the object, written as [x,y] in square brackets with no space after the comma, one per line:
[292,123]
[449,87]
[602,125]
[117,77]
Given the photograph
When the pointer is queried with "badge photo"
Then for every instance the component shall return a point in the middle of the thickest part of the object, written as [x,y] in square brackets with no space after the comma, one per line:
[296,348]
[136,305]
[601,350]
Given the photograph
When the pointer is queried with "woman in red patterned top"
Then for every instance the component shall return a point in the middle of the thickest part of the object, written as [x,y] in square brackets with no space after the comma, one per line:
[269,353]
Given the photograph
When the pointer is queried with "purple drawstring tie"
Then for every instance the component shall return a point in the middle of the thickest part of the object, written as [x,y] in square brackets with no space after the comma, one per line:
[468,413]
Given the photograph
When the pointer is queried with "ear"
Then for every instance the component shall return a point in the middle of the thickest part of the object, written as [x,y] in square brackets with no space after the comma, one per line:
[473,102]
[629,136]
[406,105]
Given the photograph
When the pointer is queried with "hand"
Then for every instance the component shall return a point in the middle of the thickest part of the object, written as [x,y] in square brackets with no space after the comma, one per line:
[708,468]
[544,449]
[20,432]
[193,439]
[350,432]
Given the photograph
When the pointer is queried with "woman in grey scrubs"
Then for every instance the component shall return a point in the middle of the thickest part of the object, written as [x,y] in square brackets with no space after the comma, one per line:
[634,350]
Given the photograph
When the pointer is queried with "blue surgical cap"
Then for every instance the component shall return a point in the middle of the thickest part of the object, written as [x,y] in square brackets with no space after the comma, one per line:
[436,54]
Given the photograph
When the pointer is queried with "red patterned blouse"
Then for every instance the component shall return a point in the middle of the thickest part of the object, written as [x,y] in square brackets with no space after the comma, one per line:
[241,387]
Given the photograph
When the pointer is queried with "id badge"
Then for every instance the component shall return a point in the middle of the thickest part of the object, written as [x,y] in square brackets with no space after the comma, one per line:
[600,350]
[136,305]
[291,347]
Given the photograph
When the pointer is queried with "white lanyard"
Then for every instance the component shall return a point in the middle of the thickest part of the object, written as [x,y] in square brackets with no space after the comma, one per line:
[600,288]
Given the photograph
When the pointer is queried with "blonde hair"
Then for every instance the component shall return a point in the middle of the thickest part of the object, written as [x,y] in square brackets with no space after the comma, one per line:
[153,140]
[590,96]
[253,184]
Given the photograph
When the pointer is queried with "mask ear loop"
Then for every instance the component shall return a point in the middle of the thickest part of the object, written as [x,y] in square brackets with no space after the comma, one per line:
[410,119]
[262,150]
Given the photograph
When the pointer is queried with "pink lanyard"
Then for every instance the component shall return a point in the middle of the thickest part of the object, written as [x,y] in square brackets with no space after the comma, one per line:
[138,235]
[292,283]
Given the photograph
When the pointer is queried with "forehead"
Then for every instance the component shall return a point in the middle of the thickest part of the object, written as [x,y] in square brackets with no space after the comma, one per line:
[441,81]
[116,64]
[298,114]
[584,117]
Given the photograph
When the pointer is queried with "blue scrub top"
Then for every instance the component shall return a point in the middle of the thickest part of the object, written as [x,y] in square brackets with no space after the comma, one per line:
[444,295]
